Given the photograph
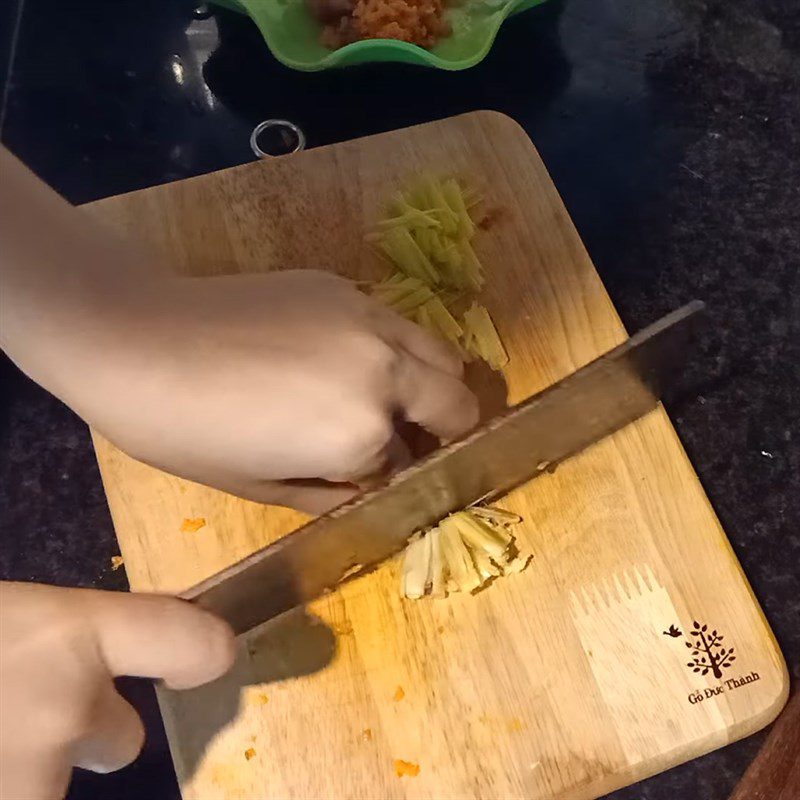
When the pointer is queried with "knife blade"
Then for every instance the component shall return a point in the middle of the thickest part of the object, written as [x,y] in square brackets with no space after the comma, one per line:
[510,449]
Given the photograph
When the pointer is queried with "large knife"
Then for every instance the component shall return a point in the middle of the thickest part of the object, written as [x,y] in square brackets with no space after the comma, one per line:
[521,443]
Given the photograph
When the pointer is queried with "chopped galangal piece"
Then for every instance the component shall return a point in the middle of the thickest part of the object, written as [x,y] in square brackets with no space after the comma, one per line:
[463,553]
[192,524]
[117,562]
[350,571]
[402,768]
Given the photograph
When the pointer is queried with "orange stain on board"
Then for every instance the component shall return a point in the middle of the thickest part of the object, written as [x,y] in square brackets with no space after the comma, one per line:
[343,628]
[192,524]
[402,768]
[399,694]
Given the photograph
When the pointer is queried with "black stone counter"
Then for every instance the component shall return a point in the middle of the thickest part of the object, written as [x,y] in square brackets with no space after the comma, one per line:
[672,130]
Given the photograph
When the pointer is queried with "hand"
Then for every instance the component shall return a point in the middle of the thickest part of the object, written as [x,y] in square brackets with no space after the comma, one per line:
[242,382]
[247,383]
[59,652]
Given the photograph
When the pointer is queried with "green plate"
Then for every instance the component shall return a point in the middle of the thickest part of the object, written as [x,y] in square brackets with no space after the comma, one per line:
[293,36]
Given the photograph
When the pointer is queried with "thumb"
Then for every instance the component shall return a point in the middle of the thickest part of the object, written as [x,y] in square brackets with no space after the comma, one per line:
[153,636]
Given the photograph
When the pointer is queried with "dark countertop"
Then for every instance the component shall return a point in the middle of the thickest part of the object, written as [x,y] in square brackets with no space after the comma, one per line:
[672,130]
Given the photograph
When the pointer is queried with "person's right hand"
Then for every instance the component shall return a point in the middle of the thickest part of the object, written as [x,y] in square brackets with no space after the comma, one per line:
[248,383]
[59,652]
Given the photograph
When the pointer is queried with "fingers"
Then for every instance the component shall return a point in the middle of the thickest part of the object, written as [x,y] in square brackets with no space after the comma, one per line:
[396,456]
[151,636]
[436,400]
[320,496]
[421,344]
[116,736]
[429,386]
[310,496]
[376,463]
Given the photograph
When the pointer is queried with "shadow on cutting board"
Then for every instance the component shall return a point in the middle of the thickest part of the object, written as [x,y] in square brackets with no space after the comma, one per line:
[489,387]
[290,646]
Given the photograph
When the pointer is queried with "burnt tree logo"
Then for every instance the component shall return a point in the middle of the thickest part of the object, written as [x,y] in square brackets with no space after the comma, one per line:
[709,654]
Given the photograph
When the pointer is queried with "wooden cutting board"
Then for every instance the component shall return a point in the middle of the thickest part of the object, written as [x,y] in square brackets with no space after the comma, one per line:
[560,682]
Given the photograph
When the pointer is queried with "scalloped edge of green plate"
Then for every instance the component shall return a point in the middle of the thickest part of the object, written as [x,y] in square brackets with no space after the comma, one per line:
[370,51]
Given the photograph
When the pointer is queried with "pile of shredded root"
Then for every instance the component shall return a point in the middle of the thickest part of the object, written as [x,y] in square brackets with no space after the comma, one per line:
[427,236]
[420,22]
[463,553]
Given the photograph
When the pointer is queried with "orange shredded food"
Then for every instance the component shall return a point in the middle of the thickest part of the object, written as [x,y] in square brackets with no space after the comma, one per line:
[192,525]
[117,562]
[250,753]
[402,768]
[399,694]
[420,22]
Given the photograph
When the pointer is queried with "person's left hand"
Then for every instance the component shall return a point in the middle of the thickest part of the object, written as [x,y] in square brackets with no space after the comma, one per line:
[60,650]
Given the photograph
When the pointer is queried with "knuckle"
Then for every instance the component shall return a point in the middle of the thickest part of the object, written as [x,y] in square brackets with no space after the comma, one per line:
[372,435]
[360,444]
[372,354]
[454,362]
[442,353]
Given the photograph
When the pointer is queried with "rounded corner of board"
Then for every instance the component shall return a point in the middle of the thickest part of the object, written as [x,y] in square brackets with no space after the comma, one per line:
[500,118]
[773,700]
[503,121]
[776,703]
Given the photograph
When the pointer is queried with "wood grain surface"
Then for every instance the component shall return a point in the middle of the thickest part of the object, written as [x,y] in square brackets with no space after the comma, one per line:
[559,682]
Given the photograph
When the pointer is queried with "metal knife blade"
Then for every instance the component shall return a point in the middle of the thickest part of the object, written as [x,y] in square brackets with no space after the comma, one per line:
[596,400]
